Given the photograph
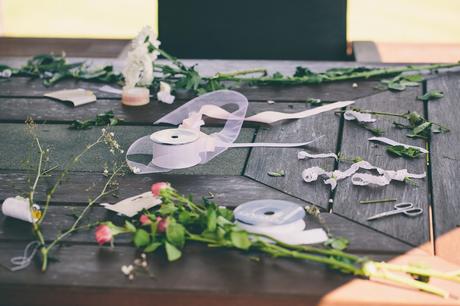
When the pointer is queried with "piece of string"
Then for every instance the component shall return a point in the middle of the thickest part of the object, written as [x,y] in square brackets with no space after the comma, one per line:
[22,262]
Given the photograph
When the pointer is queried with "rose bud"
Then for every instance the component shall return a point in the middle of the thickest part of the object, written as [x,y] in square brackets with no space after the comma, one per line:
[144,219]
[103,234]
[162,224]
[158,187]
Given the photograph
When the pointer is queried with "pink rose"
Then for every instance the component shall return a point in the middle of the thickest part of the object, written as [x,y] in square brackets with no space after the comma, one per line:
[103,234]
[158,187]
[144,219]
[162,224]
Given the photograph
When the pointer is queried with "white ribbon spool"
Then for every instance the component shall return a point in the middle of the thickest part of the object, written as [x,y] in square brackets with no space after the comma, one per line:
[189,150]
[176,148]
[280,220]
[19,208]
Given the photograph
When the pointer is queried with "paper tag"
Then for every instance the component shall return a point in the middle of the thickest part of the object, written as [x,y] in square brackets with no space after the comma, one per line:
[77,97]
[133,205]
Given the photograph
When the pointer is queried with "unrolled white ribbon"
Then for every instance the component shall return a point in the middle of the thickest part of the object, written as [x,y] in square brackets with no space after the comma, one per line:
[360,117]
[291,233]
[304,154]
[195,147]
[395,143]
[360,179]
[110,89]
[19,208]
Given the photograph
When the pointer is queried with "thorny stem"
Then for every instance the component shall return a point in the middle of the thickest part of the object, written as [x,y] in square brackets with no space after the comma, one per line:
[418,271]
[386,275]
[240,72]
[377,201]
[73,228]
[357,75]
[63,174]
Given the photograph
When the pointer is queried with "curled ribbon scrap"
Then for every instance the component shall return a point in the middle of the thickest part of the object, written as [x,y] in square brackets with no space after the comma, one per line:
[359,179]
[187,146]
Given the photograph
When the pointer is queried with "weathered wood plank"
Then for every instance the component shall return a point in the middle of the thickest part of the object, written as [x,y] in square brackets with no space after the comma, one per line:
[362,239]
[204,274]
[263,160]
[354,144]
[445,161]
[65,143]
[226,190]
[19,109]
[209,67]
[25,87]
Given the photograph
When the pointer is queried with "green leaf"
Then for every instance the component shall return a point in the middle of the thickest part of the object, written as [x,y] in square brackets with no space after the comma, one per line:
[212,219]
[152,247]
[337,243]
[240,240]
[167,209]
[421,128]
[277,75]
[130,227]
[172,252]
[396,86]
[107,118]
[413,78]
[431,95]
[278,173]
[314,102]
[401,151]
[175,233]
[141,238]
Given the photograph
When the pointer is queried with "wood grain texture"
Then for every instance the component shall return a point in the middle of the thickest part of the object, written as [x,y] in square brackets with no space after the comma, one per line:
[354,143]
[47,110]
[65,143]
[263,160]
[205,274]
[30,88]
[445,161]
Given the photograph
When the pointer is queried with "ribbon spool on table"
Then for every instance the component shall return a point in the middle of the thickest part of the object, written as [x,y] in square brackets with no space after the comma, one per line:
[281,220]
[187,146]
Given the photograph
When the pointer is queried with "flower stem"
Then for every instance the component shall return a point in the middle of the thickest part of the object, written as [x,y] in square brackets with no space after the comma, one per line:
[240,72]
[74,227]
[63,174]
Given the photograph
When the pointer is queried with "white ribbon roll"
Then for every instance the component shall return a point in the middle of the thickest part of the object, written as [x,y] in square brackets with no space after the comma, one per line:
[191,146]
[19,208]
[280,220]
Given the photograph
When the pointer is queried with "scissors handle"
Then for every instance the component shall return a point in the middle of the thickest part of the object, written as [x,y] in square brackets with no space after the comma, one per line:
[404,205]
[412,212]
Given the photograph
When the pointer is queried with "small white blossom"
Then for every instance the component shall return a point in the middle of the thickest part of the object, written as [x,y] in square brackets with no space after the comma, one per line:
[139,68]
[145,37]
[6,73]
[164,94]
[127,270]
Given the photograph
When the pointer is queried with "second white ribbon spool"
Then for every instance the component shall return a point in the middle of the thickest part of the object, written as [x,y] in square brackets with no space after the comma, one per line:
[281,220]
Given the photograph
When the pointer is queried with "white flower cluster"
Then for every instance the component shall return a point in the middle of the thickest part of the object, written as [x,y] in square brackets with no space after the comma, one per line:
[139,66]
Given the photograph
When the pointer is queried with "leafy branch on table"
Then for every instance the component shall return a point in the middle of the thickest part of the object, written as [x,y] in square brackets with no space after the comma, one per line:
[45,247]
[179,219]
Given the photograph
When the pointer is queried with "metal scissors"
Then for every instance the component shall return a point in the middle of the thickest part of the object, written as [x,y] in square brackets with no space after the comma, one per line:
[401,208]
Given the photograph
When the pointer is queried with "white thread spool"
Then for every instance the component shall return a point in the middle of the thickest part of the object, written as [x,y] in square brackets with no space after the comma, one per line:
[176,148]
[19,208]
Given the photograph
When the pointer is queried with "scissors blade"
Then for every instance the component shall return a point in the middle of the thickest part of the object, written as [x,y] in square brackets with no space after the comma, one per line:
[384,214]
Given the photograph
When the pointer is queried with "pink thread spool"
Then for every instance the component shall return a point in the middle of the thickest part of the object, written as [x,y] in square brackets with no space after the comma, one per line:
[136,96]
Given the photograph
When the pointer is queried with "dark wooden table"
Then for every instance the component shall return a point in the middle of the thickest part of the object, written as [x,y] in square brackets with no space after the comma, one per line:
[87,274]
